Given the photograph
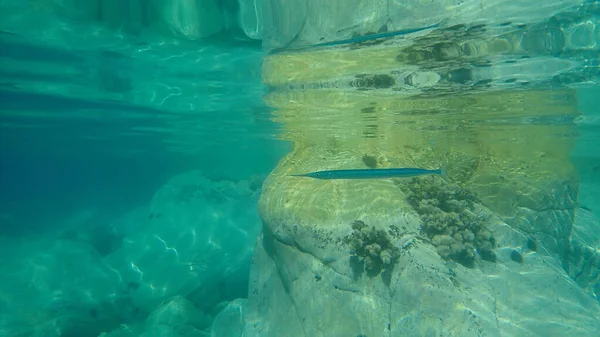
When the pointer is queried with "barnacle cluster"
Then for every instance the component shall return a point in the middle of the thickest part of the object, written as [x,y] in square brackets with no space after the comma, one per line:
[450,220]
[372,249]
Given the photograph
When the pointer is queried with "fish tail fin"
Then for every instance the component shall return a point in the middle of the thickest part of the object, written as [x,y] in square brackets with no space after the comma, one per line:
[443,173]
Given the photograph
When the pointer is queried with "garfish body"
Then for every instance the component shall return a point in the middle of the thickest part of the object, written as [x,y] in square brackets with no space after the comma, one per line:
[370,173]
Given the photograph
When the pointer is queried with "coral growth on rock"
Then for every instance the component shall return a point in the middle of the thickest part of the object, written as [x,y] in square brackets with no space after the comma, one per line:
[372,250]
[451,220]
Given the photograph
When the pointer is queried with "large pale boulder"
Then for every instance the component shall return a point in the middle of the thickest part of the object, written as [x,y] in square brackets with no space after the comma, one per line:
[197,243]
[487,251]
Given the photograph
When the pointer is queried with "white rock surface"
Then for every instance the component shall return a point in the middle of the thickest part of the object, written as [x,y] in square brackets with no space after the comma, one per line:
[303,284]
[199,234]
[159,271]
[230,321]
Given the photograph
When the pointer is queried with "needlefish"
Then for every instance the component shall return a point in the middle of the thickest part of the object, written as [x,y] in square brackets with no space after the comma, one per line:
[371,173]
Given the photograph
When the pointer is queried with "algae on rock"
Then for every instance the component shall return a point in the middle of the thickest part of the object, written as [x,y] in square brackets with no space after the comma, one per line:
[372,251]
[451,220]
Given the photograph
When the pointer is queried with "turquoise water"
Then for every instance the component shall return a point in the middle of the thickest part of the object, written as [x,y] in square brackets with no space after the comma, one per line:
[132,157]
[94,121]
[105,124]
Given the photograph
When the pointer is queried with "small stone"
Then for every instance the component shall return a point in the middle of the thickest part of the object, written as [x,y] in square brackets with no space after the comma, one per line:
[370,161]
[516,256]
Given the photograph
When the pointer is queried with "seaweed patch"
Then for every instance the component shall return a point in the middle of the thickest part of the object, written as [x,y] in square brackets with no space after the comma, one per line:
[450,220]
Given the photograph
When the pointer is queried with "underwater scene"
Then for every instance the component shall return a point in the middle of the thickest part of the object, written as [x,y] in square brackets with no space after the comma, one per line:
[270,168]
